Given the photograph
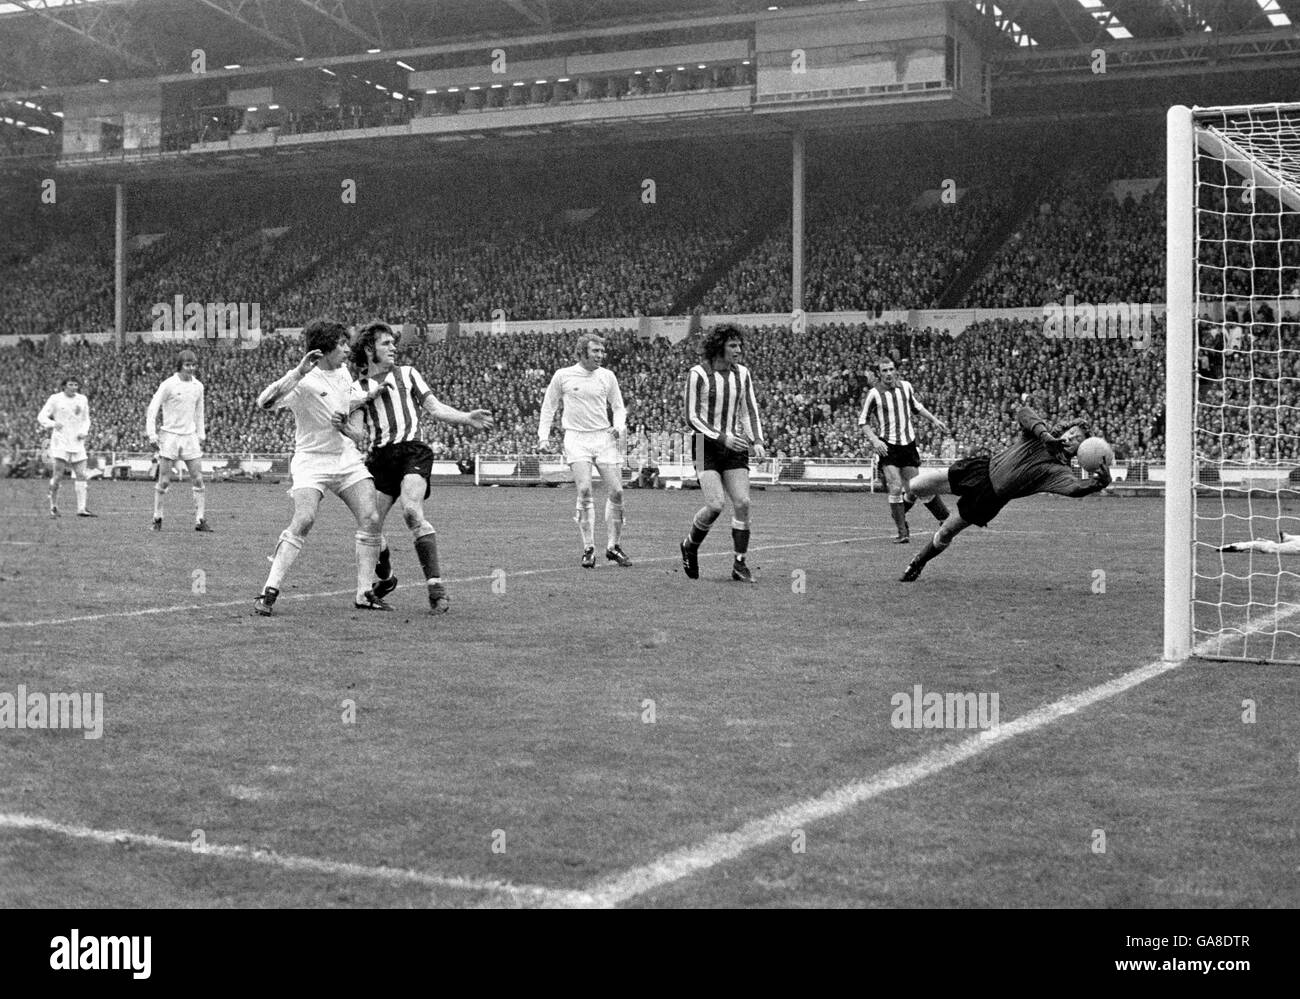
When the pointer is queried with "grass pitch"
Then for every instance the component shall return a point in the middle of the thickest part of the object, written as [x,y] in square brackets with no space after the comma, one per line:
[560,727]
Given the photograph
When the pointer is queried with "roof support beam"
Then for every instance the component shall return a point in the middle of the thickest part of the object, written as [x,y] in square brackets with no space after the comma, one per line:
[336,13]
[531,11]
[98,23]
[257,23]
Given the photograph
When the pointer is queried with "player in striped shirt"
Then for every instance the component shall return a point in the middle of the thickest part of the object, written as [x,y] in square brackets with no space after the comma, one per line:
[400,462]
[891,405]
[67,413]
[180,438]
[723,411]
[1038,462]
[595,425]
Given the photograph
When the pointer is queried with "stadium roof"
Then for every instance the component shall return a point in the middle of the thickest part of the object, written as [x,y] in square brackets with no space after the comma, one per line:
[61,43]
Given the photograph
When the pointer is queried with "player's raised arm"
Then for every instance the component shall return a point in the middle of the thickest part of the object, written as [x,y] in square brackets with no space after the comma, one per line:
[550,404]
[1034,425]
[696,402]
[151,415]
[479,419]
[277,392]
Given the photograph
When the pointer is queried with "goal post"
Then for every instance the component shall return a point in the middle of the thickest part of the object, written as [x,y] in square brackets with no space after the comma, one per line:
[1232,415]
[1180,309]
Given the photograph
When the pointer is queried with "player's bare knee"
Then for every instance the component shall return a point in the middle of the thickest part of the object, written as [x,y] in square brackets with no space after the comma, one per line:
[301,524]
[584,494]
[616,494]
[740,510]
[412,514]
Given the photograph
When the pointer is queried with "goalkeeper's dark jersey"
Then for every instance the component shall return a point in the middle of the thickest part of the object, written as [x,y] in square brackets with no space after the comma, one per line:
[1028,467]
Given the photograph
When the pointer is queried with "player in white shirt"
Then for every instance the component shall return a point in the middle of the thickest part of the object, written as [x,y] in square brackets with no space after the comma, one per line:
[180,437]
[67,413]
[595,424]
[320,393]
[1288,544]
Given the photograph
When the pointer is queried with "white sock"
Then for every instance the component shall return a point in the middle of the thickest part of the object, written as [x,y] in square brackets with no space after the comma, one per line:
[586,516]
[80,487]
[286,553]
[367,556]
[200,500]
[614,521]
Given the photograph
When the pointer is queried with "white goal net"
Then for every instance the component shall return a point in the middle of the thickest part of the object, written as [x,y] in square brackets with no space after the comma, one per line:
[1233,416]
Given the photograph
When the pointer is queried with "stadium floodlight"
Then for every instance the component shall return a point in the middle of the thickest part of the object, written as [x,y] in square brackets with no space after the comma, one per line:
[1232,419]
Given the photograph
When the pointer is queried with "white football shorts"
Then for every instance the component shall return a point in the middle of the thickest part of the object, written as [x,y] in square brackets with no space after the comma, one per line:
[327,472]
[600,447]
[186,447]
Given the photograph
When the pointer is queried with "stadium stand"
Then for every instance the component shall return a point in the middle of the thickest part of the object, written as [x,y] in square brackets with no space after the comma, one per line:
[810,388]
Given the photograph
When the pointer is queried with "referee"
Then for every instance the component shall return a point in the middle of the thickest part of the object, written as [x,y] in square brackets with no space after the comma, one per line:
[891,405]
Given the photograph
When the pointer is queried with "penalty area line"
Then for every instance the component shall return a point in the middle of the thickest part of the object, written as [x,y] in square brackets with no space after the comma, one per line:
[220,605]
[722,847]
[524,894]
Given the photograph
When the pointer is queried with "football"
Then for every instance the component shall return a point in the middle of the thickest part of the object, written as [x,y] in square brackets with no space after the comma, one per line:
[1093,453]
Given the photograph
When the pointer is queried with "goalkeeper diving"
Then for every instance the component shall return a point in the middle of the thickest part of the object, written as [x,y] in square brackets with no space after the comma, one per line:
[1038,462]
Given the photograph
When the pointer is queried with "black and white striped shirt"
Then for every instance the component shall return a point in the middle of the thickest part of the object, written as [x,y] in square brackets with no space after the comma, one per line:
[893,409]
[393,416]
[719,402]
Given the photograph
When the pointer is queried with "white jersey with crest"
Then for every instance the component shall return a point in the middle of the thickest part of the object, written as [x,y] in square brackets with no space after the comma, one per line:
[314,401]
[181,405]
[592,401]
[72,415]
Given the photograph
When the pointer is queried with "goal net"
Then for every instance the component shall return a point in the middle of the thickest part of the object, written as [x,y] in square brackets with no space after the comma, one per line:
[1232,581]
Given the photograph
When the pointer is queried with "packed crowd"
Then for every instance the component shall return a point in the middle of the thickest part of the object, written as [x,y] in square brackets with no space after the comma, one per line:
[1080,241]
[888,226]
[811,387]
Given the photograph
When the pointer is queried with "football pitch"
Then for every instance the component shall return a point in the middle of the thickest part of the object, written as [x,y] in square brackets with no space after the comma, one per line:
[628,737]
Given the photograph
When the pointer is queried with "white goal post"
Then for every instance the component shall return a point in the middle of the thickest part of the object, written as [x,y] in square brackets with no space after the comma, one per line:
[1232,415]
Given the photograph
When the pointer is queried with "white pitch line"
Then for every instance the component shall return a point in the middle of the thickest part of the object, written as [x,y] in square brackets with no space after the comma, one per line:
[180,608]
[531,894]
[717,849]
